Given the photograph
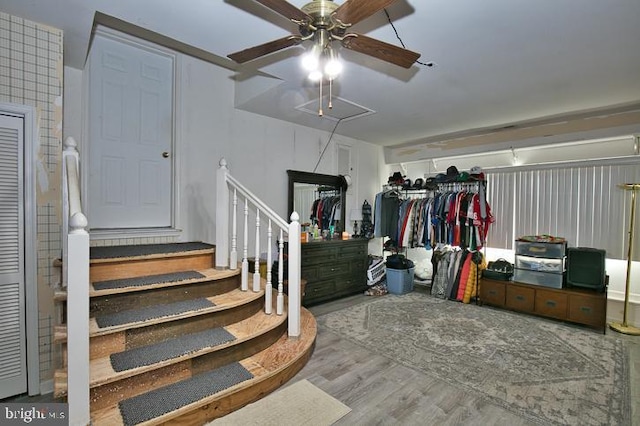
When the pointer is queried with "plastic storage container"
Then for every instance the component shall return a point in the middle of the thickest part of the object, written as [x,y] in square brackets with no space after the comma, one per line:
[541,264]
[551,250]
[400,281]
[544,279]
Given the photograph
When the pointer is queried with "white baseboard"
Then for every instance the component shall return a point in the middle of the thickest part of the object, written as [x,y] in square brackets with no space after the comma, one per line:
[615,312]
[46,387]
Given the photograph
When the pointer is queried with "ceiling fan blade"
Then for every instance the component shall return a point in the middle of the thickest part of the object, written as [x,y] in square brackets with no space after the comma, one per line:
[354,11]
[251,53]
[381,50]
[285,9]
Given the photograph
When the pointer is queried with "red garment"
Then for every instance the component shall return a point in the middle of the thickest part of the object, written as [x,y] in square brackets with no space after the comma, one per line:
[464,277]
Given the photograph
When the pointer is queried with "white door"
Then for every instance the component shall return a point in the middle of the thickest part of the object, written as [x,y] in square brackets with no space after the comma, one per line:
[13,355]
[131,133]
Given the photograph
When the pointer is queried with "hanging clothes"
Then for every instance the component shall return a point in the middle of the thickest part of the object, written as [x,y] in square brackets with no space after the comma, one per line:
[459,216]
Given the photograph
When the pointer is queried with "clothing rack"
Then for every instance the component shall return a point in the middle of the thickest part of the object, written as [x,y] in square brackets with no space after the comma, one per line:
[474,187]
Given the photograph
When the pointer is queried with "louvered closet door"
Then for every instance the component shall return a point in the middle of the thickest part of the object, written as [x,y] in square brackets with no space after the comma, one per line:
[13,359]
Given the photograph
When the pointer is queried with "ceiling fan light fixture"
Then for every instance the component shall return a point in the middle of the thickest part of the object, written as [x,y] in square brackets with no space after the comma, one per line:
[332,66]
[315,75]
[311,59]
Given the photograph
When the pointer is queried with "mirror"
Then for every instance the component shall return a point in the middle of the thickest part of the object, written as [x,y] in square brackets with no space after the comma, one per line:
[305,188]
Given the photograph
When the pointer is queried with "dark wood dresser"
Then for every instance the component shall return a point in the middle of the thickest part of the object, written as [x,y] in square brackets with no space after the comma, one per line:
[333,269]
[579,306]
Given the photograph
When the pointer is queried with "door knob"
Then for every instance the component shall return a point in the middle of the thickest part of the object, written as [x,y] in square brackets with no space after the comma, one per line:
[165,154]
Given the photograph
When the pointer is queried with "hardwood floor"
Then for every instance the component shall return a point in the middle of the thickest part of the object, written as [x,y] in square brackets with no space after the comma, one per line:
[380,391]
[383,392]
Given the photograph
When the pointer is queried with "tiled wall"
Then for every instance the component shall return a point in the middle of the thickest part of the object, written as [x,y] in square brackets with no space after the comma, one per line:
[31,74]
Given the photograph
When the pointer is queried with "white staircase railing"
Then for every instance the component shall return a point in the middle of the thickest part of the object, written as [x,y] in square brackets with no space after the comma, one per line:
[228,192]
[75,278]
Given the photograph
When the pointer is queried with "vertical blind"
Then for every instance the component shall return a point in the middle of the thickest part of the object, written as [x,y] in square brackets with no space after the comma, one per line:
[583,203]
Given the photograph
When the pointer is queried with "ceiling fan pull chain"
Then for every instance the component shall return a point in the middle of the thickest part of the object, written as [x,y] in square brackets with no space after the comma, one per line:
[330,93]
[320,113]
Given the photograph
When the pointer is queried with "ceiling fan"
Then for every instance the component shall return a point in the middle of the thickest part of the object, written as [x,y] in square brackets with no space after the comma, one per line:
[323,22]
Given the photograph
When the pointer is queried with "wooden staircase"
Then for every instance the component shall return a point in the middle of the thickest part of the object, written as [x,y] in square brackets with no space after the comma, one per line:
[174,341]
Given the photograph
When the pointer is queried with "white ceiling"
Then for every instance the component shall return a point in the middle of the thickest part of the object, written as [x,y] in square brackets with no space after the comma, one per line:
[497,62]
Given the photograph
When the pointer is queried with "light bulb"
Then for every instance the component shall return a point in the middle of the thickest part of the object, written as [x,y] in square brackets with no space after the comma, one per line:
[333,67]
[310,61]
[315,75]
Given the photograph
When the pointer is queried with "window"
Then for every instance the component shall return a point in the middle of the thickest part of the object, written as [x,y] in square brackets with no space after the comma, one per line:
[581,202]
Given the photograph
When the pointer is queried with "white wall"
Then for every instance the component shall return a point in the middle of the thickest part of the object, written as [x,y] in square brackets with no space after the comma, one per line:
[258,149]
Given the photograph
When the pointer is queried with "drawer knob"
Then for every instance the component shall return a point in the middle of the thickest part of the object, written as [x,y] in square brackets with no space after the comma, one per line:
[519,297]
[551,303]
[585,309]
[493,292]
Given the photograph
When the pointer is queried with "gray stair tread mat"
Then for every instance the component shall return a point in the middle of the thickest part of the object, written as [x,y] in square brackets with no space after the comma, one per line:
[153,312]
[147,280]
[108,252]
[160,401]
[172,348]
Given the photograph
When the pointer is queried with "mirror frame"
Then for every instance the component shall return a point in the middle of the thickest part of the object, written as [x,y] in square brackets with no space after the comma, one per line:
[339,182]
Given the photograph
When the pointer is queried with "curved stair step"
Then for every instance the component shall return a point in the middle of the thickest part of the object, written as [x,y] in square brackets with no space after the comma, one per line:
[154,312]
[103,371]
[158,281]
[268,369]
[146,251]
[171,311]
[219,303]
[120,262]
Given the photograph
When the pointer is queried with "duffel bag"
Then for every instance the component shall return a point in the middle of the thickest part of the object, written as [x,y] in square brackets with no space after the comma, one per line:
[500,269]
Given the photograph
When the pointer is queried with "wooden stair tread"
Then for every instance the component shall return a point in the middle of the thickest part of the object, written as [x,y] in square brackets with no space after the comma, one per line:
[271,367]
[209,275]
[222,302]
[203,248]
[102,371]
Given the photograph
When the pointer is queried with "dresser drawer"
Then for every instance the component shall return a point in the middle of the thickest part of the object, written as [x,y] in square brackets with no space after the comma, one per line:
[350,284]
[319,290]
[551,304]
[351,251]
[492,292]
[520,298]
[587,309]
[318,253]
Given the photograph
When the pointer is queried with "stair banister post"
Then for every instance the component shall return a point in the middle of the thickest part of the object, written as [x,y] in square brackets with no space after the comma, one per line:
[256,269]
[222,216]
[233,261]
[78,321]
[268,289]
[244,274]
[280,296]
[294,295]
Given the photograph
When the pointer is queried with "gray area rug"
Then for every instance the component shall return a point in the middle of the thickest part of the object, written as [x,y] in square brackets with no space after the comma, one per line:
[169,398]
[147,280]
[173,348]
[544,371]
[153,312]
[144,250]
